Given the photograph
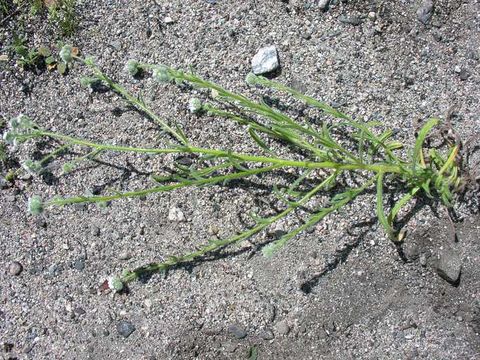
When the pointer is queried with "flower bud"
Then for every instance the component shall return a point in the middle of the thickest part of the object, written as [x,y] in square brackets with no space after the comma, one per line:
[35,205]
[195,105]
[115,284]
[133,67]
[161,74]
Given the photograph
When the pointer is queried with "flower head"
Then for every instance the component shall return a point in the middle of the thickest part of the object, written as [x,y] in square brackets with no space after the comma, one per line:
[195,106]
[133,67]
[114,283]
[35,205]
[161,74]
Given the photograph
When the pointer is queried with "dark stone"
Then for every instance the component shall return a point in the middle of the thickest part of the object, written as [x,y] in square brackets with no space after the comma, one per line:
[238,331]
[464,75]
[80,311]
[79,264]
[125,328]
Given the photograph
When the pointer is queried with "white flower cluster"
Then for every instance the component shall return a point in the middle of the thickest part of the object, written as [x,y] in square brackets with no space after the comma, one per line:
[17,129]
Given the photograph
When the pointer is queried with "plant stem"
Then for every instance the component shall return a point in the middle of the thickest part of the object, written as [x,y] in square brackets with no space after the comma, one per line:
[135,101]
[384,167]
[217,244]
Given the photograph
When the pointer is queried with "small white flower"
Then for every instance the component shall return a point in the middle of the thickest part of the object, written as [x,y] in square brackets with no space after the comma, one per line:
[195,105]
[133,67]
[114,283]
[35,205]
[160,73]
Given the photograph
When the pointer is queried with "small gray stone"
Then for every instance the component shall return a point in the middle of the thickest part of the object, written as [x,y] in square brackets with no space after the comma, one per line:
[53,270]
[282,328]
[15,268]
[323,4]
[267,334]
[95,231]
[425,11]
[423,260]
[79,310]
[449,266]
[125,255]
[237,330]
[464,75]
[350,20]
[265,60]
[230,347]
[79,264]
[125,328]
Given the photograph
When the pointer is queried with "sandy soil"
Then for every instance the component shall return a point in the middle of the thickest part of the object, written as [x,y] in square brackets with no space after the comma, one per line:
[340,291]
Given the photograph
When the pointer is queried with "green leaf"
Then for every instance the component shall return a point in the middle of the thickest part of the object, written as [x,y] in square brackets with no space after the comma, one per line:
[422,134]
[62,68]
[44,51]
[258,140]
[380,211]
[49,60]
[253,353]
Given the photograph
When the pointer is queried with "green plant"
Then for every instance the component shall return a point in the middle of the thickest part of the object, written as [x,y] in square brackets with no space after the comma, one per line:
[30,58]
[62,13]
[328,154]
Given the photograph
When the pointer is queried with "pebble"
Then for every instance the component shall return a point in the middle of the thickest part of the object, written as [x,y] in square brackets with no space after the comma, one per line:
[230,347]
[53,270]
[95,231]
[449,266]
[372,15]
[425,11]
[15,268]
[125,255]
[168,20]
[323,4]
[267,335]
[282,328]
[423,260]
[79,310]
[176,214]
[464,75]
[352,20]
[125,328]
[265,60]
[79,264]
[237,330]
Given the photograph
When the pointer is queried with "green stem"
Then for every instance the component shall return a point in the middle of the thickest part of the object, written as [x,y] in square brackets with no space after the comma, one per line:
[387,168]
[157,189]
[217,244]
[139,104]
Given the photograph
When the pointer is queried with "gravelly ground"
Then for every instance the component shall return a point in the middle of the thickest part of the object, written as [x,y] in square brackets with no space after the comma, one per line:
[338,292]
